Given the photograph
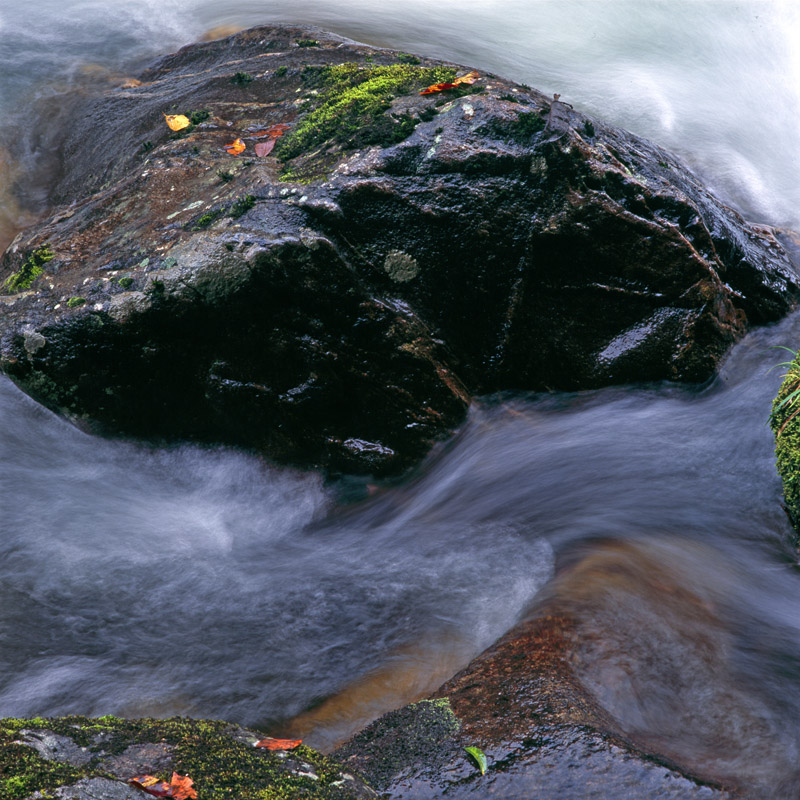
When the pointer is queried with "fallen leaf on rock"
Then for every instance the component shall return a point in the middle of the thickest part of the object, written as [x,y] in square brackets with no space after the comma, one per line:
[179,788]
[236,147]
[467,79]
[177,122]
[279,744]
[438,87]
[479,757]
[277,130]
[151,785]
[265,148]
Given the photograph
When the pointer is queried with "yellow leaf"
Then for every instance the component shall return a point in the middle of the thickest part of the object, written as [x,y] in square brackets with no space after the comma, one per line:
[469,78]
[177,122]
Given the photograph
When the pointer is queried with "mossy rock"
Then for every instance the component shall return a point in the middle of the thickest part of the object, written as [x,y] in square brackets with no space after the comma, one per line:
[38,757]
[785,423]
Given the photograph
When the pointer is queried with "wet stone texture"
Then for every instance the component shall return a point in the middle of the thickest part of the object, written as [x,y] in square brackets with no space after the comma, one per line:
[336,302]
[543,734]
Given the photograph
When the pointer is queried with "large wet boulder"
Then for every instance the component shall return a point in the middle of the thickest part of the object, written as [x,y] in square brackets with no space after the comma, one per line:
[620,682]
[335,301]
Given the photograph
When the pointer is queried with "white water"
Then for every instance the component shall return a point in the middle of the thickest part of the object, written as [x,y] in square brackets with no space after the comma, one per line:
[204,582]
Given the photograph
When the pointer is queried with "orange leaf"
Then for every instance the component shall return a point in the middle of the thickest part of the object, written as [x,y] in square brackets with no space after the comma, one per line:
[279,744]
[144,780]
[467,79]
[438,87]
[177,122]
[181,788]
[235,147]
[265,148]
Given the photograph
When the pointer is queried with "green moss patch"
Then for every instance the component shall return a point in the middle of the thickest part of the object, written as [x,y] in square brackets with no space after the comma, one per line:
[220,759]
[351,105]
[31,269]
[785,424]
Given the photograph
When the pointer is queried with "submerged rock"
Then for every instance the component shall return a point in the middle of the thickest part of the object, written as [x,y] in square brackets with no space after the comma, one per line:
[336,302]
[558,705]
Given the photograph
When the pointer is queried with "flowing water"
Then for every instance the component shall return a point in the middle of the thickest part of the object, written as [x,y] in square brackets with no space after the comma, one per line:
[204,582]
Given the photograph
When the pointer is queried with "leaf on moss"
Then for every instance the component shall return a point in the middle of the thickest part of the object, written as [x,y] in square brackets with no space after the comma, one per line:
[467,80]
[279,744]
[179,788]
[177,122]
[236,147]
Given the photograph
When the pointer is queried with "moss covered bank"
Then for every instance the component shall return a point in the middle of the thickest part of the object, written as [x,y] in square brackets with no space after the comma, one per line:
[95,758]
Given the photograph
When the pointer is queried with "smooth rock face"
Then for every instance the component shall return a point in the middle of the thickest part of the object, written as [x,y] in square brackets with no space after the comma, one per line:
[336,302]
[539,704]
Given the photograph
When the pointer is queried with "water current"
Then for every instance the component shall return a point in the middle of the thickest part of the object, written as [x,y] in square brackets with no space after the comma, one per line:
[205,582]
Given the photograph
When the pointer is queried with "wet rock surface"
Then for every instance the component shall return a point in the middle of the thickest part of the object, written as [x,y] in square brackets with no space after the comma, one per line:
[528,704]
[335,303]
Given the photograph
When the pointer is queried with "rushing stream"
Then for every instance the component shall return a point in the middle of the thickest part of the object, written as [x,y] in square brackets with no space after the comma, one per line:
[204,582]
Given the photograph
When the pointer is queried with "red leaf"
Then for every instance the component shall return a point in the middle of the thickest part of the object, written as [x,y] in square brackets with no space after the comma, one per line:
[181,788]
[265,148]
[151,785]
[467,79]
[438,87]
[279,744]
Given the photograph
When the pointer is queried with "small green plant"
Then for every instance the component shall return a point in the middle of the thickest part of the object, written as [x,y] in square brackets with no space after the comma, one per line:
[196,117]
[510,97]
[790,389]
[306,42]
[242,78]
[208,218]
[147,147]
[125,282]
[407,58]
[242,206]
[31,269]
[75,302]
[224,176]
[588,129]
[281,71]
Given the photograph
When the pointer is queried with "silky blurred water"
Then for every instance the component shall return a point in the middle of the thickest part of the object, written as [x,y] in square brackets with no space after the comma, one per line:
[205,582]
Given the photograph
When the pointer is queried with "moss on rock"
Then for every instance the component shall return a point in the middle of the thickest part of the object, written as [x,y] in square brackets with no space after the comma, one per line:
[785,423]
[351,104]
[31,269]
[219,757]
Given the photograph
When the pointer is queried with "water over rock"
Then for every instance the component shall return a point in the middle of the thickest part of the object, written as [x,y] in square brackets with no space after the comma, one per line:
[336,302]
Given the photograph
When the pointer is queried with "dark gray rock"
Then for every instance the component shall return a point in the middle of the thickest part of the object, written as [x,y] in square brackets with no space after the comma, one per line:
[54,747]
[95,789]
[336,303]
